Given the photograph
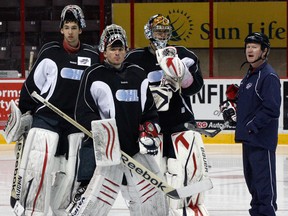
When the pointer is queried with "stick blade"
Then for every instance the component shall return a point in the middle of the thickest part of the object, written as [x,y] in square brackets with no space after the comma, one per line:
[190,190]
[190,126]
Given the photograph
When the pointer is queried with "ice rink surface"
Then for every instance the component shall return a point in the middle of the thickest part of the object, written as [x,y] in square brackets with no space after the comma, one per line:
[229,197]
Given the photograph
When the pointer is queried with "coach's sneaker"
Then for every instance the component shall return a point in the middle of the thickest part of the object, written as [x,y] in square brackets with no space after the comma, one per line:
[79,192]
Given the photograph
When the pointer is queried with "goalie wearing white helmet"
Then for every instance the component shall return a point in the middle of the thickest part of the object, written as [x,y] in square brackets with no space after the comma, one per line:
[52,143]
[115,102]
[174,74]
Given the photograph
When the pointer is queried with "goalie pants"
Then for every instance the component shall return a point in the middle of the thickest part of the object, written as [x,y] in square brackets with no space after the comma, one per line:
[58,125]
[259,167]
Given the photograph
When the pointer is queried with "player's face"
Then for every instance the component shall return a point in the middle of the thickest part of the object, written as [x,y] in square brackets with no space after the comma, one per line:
[71,32]
[254,52]
[115,55]
[161,33]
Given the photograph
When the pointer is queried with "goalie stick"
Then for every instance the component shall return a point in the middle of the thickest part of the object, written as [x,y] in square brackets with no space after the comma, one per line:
[205,132]
[136,167]
[17,179]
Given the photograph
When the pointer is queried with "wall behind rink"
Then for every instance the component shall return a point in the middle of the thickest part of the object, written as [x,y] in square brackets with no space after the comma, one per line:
[205,106]
[227,62]
[207,114]
[190,23]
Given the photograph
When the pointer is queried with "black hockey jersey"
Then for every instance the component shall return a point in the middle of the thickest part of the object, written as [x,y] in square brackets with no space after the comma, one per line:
[56,76]
[180,109]
[123,94]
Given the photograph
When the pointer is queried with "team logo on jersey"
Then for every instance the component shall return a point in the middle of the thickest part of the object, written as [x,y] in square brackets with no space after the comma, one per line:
[249,85]
[127,95]
[155,76]
[182,25]
[70,73]
[84,61]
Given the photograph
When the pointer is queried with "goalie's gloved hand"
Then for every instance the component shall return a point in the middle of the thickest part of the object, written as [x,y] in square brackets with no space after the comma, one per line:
[148,138]
[173,68]
[228,110]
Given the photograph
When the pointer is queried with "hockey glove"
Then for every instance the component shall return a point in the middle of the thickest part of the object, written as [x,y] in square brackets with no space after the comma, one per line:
[17,124]
[228,110]
[148,138]
[173,68]
[232,92]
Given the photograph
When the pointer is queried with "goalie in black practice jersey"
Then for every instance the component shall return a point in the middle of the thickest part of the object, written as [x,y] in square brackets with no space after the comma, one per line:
[47,167]
[116,104]
[174,75]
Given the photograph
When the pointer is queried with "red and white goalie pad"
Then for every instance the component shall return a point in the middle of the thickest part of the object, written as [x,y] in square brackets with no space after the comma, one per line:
[106,142]
[17,124]
[37,165]
[189,166]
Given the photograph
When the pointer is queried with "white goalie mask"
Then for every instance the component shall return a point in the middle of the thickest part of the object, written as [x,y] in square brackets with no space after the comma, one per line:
[71,13]
[158,30]
[111,34]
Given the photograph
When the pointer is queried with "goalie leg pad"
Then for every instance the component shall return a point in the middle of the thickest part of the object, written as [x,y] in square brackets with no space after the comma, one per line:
[159,158]
[144,199]
[65,177]
[101,192]
[36,167]
[189,166]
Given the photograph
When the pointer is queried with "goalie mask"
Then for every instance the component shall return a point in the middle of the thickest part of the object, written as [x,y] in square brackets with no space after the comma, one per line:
[113,35]
[73,13]
[158,30]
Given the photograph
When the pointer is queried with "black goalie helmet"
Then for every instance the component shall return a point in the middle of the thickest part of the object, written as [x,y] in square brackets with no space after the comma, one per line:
[113,34]
[73,13]
[161,25]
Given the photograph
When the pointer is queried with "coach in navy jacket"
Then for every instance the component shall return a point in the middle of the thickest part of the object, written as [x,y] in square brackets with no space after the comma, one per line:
[258,110]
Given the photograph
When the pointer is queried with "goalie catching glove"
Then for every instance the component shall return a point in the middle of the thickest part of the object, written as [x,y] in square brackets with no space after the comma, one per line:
[17,124]
[148,138]
[176,73]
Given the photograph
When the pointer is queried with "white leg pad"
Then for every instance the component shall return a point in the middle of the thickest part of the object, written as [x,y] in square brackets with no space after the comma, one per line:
[160,160]
[143,198]
[101,192]
[190,166]
[65,177]
[35,170]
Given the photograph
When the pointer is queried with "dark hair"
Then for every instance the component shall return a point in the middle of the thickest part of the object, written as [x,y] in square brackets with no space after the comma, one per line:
[69,17]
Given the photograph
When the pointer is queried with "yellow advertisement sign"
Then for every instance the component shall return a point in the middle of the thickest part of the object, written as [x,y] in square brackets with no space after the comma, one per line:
[233,21]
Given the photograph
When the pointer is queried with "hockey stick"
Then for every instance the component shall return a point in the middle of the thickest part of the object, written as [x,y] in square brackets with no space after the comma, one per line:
[136,167]
[17,181]
[205,132]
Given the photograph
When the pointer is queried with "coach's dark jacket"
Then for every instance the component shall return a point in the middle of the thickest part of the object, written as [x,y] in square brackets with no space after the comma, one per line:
[258,108]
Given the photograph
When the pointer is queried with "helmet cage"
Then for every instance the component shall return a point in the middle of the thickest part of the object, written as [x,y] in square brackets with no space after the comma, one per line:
[77,13]
[111,34]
